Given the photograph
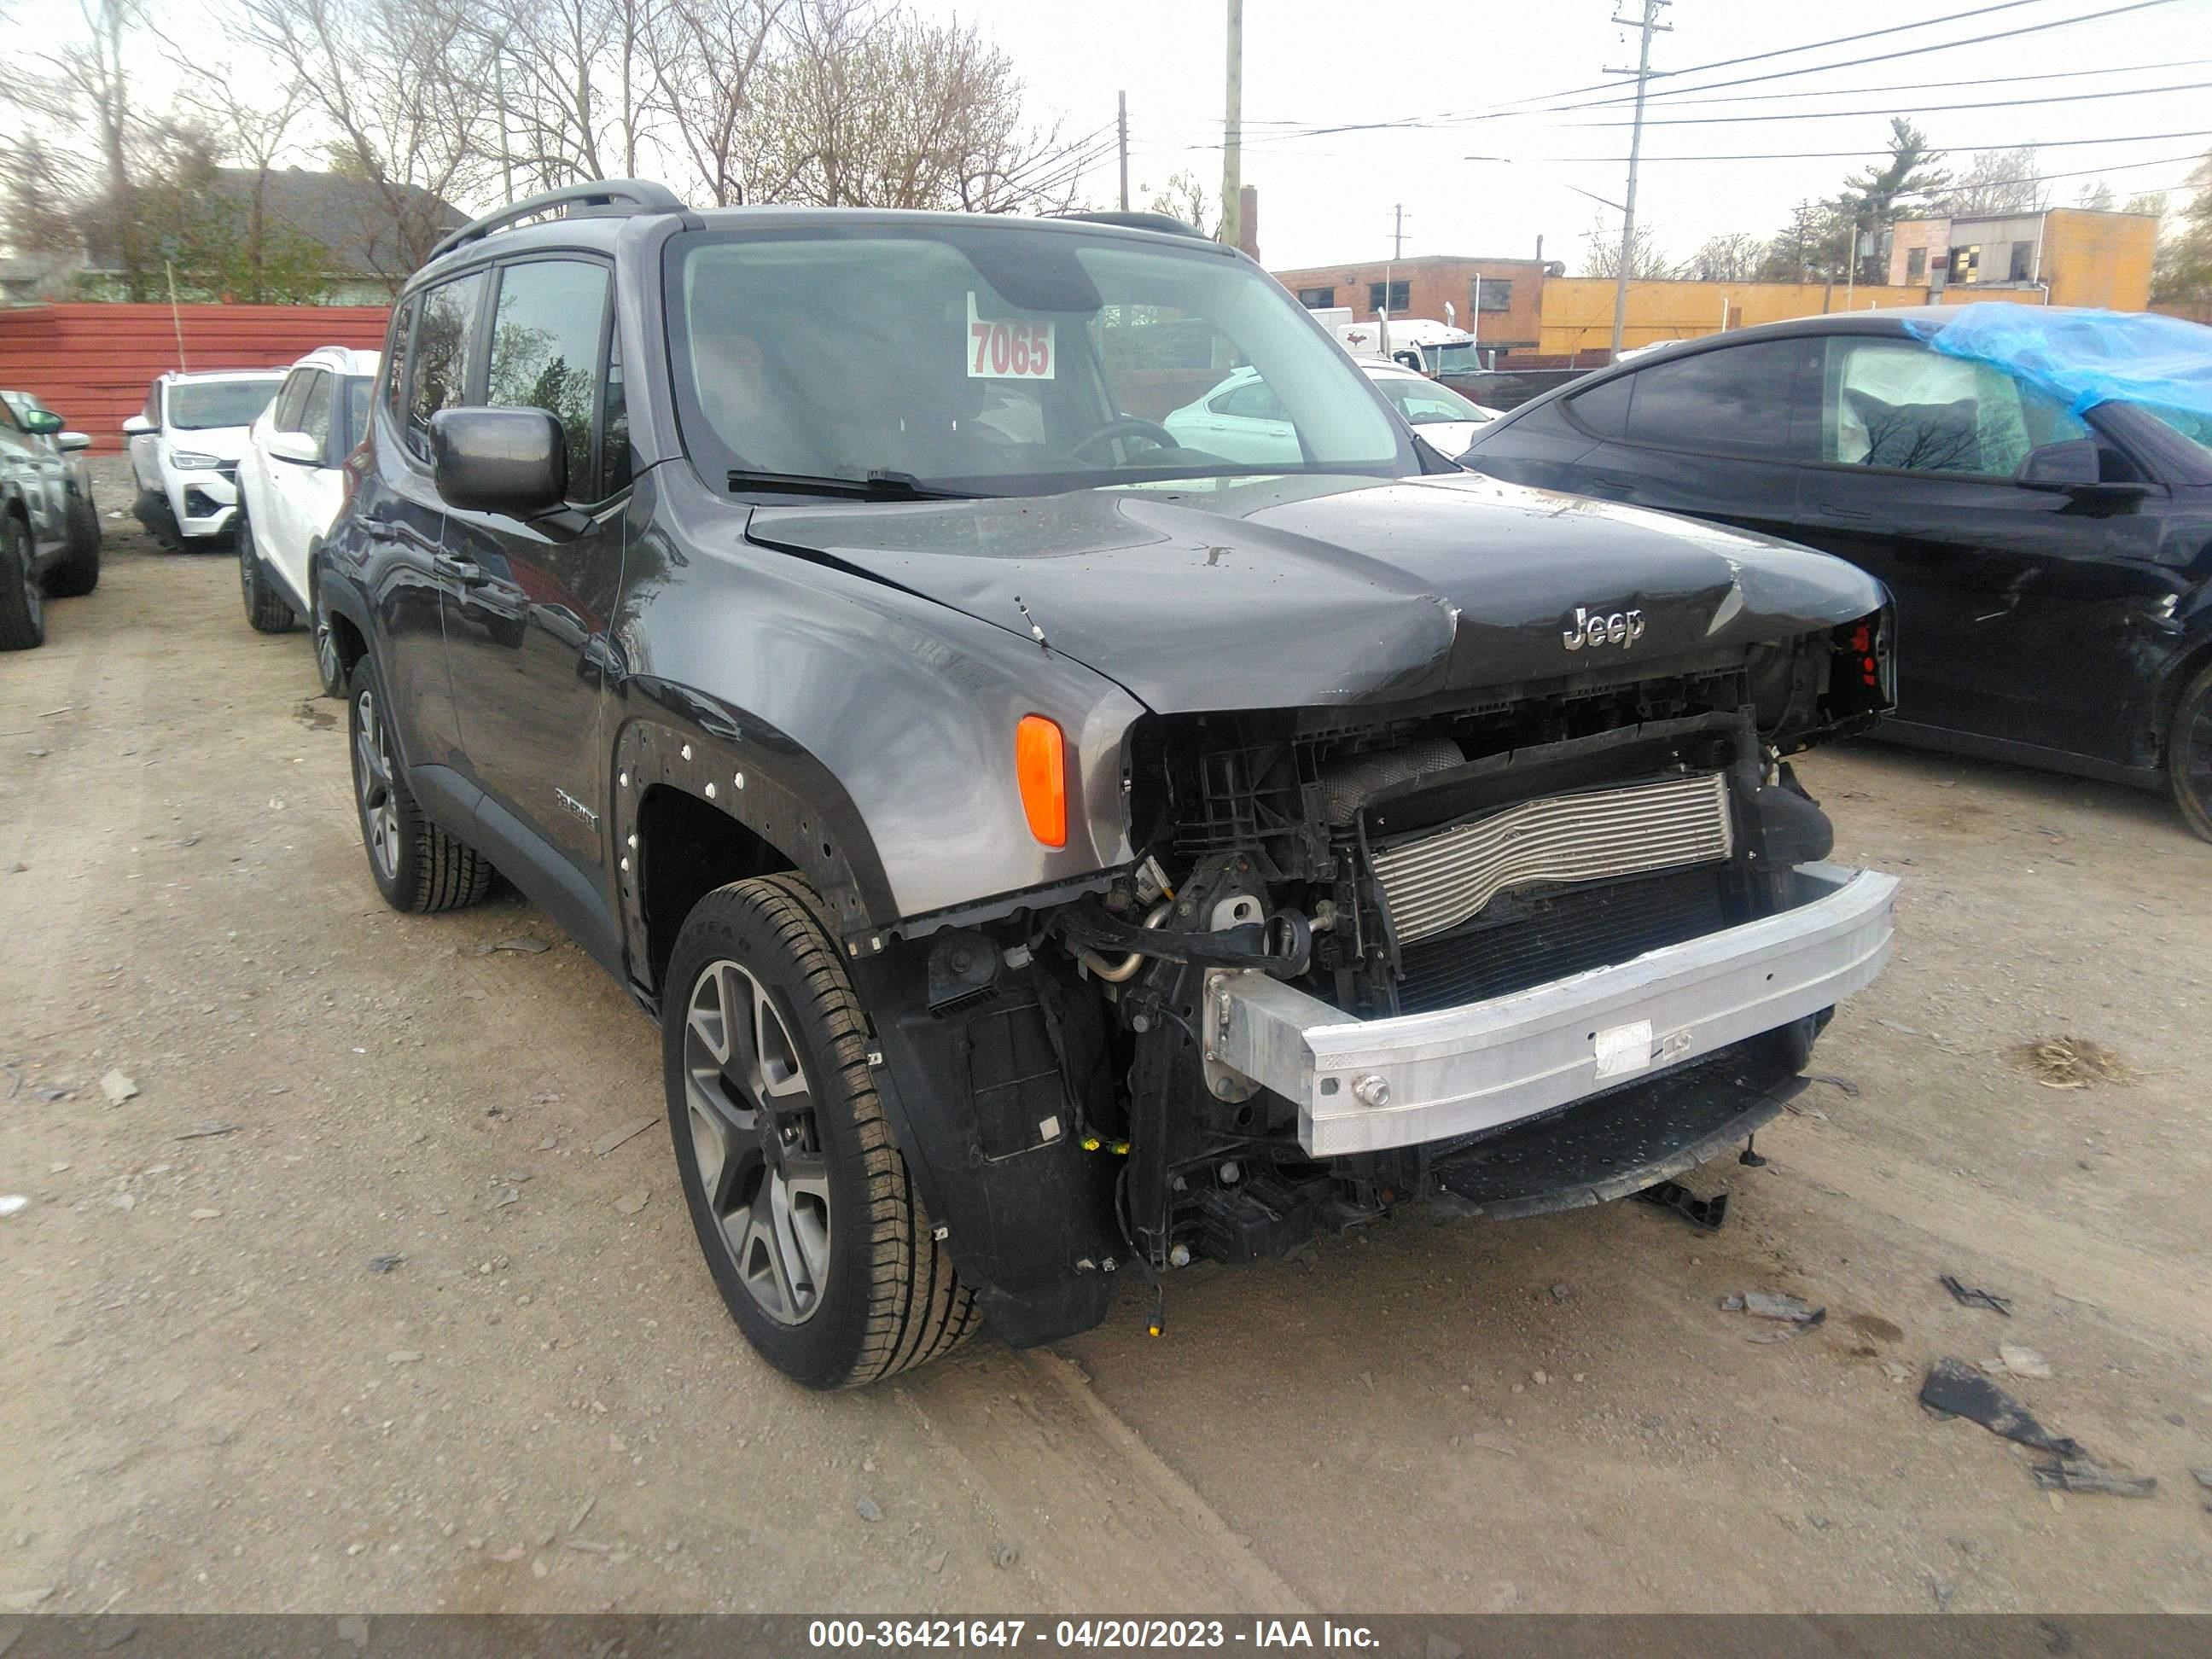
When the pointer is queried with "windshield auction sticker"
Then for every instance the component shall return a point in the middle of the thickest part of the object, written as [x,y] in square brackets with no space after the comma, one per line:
[1008,349]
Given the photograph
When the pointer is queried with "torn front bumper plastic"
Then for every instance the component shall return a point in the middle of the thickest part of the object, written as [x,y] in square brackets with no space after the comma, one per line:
[1368,1085]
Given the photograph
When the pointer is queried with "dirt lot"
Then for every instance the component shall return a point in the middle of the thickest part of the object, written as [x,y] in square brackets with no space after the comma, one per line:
[212,1398]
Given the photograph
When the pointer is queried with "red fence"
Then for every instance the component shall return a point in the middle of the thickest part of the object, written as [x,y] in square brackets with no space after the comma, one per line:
[94,362]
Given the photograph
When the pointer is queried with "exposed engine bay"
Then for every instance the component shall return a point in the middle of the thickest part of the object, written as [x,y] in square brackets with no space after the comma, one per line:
[1452,852]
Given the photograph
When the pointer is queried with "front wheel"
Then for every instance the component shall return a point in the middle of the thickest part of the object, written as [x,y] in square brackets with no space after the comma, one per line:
[809,1219]
[23,603]
[2189,754]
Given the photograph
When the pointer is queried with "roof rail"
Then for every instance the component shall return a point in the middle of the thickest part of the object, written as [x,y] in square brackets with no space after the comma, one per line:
[1165,223]
[604,195]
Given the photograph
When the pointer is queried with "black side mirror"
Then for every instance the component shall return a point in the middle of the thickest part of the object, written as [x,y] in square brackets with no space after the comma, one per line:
[514,461]
[2072,468]
[2060,467]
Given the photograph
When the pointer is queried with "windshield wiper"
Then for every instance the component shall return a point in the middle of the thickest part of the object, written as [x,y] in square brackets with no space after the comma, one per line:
[881,484]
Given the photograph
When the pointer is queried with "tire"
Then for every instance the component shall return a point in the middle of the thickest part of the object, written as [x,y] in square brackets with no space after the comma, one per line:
[266,611]
[815,1235]
[2189,753]
[78,573]
[23,603]
[151,510]
[417,866]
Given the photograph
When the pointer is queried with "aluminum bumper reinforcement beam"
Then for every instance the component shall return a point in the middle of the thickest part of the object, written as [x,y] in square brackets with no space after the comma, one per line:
[1365,1086]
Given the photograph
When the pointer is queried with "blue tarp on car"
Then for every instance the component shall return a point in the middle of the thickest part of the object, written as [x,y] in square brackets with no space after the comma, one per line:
[2084,358]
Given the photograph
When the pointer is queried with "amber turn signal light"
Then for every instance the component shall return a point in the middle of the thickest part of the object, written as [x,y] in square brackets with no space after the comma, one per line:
[1041,768]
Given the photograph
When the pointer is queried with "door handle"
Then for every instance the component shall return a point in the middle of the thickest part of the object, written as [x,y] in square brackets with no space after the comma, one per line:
[467,572]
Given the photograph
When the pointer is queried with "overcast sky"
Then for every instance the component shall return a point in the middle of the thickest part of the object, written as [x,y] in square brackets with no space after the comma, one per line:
[1479,75]
[1330,198]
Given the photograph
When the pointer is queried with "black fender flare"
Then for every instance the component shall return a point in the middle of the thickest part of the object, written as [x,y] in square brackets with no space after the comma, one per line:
[1015,1227]
[756,775]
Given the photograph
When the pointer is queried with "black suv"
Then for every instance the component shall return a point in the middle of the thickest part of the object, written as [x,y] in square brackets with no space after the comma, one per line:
[1053,852]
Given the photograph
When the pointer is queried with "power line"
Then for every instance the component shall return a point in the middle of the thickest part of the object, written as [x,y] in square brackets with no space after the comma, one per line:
[2078,172]
[1788,51]
[1929,86]
[1925,109]
[1850,154]
[1508,111]
[1877,58]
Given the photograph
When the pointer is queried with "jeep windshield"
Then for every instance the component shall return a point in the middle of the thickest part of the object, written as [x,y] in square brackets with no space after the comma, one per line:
[997,357]
[204,406]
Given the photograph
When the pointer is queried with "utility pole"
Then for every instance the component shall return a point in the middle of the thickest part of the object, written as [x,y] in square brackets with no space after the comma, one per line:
[1648,26]
[1397,233]
[1122,119]
[1232,133]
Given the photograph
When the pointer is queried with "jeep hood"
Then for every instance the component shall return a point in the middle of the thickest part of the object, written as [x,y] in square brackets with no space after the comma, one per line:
[1286,592]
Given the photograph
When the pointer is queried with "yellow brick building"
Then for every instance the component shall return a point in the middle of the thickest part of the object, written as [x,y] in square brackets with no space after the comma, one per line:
[1577,311]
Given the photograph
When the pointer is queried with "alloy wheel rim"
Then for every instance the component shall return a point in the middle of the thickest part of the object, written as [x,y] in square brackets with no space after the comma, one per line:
[34,596]
[245,562]
[380,812]
[750,1112]
[327,655]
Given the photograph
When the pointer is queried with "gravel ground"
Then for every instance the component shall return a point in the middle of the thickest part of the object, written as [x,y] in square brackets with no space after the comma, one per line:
[352,1305]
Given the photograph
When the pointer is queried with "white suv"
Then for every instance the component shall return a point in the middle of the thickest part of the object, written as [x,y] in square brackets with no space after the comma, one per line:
[185,447]
[291,484]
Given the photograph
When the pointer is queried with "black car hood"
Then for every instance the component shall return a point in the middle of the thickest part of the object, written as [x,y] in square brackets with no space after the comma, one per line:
[1290,591]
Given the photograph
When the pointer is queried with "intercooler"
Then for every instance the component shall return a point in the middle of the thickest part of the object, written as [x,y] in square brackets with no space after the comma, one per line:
[1438,881]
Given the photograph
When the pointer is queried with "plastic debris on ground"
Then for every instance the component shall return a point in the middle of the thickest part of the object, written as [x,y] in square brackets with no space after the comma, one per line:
[2087,1474]
[1794,1315]
[1967,1296]
[1957,1389]
[2083,358]
[2022,1362]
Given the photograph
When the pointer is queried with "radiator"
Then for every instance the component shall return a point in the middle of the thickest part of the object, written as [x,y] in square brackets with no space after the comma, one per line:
[1441,880]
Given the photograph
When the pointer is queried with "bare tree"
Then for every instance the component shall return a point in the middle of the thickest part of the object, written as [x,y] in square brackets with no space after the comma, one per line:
[254,123]
[402,83]
[868,105]
[85,86]
[573,84]
[1601,254]
[1185,199]
[703,55]
[1733,257]
[2097,197]
[1996,181]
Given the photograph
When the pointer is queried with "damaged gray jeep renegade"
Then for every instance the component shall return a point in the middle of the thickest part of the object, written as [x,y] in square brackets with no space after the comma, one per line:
[1056,849]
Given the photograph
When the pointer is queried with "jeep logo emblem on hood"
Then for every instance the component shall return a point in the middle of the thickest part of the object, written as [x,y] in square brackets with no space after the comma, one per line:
[1594,629]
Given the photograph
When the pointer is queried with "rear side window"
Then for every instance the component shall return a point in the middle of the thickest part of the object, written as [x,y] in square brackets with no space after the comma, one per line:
[1604,409]
[395,360]
[1738,400]
[546,347]
[1898,404]
[356,395]
[438,373]
[290,399]
[614,436]
[315,410]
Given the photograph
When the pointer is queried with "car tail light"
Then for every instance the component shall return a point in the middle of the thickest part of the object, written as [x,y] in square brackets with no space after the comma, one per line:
[1041,769]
